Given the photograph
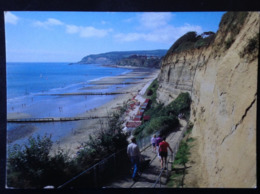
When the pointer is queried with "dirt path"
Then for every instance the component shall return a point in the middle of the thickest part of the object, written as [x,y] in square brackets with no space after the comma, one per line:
[150,174]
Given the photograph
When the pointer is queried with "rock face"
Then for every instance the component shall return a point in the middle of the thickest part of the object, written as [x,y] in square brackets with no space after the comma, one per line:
[222,81]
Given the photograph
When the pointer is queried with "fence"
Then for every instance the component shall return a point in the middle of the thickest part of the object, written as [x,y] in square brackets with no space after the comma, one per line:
[175,150]
[97,175]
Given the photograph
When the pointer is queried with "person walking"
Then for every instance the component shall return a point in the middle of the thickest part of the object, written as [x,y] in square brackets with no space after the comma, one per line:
[163,152]
[153,142]
[134,154]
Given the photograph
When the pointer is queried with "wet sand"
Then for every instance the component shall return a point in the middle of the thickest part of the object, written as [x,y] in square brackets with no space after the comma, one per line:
[80,134]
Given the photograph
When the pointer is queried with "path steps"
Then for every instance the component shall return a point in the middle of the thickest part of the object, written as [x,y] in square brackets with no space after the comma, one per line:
[150,174]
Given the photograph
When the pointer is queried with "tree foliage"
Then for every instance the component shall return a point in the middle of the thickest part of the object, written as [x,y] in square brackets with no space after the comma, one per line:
[33,166]
[191,40]
[164,118]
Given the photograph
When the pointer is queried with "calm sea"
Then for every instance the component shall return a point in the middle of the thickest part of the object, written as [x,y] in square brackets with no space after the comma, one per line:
[26,82]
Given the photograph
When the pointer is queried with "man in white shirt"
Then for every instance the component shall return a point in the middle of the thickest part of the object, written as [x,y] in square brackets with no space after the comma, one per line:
[134,154]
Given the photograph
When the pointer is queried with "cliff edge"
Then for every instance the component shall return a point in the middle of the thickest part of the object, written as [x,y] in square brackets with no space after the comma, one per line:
[221,78]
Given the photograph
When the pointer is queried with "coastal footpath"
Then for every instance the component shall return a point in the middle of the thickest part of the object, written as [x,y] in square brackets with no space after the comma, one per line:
[222,81]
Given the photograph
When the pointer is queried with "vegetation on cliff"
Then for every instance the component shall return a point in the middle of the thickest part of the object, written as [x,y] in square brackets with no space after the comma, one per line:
[230,25]
[140,61]
[252,48]
[191,40]
[164,119]
[112,58]
[181,159]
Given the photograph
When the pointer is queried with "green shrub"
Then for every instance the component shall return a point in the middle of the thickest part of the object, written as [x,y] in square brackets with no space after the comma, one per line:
[182,154]
[31,165]
[164,118]
[104,143]
[191,40]
[180,105]
[232,22]
[252,47]
[153,90]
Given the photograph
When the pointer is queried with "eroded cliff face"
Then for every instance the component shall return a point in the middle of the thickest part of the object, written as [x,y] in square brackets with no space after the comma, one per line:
[223,86]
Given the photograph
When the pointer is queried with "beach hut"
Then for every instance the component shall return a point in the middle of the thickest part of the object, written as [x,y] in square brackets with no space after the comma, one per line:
[147,118]
[147,101]
[133,124]
[138,118]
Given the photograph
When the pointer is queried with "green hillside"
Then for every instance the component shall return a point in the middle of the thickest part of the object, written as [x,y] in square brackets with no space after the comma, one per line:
[112,58]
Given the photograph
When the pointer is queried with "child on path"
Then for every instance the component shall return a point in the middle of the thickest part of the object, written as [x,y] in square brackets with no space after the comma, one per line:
[153,142]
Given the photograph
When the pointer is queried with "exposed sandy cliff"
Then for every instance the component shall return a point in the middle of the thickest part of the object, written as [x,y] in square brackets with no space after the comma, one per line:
[222,81]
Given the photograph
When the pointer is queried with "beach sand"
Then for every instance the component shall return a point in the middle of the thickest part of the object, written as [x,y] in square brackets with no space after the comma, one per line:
[140,80]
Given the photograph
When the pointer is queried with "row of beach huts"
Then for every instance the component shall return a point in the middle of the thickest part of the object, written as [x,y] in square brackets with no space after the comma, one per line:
[136,120]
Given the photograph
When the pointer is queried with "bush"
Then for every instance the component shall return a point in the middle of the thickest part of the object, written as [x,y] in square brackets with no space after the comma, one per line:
[232,22]
[107,141]
[151,92]
[252,47]
[182,154]
[31,165]
[191,40]
[180,105]
[164,118]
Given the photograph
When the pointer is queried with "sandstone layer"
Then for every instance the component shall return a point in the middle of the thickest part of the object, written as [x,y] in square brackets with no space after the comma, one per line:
[222,82]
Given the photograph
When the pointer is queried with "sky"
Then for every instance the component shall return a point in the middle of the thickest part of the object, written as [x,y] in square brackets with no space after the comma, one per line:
[40,36]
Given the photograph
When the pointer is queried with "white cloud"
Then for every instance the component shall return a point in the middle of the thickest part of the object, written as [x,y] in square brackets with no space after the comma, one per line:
[167,34]
[155,27]
[11,18]
[49,22]
[129,37]
[72,29]
[154,20]
[87,31]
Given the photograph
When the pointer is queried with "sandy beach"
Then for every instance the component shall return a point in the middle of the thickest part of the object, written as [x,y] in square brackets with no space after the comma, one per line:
[139,80]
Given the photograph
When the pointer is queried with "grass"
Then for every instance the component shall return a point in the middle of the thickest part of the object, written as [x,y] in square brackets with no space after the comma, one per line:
[232,22]
[179,166]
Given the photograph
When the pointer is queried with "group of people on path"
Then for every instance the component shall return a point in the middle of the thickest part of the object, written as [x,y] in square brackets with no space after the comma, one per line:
[160,147]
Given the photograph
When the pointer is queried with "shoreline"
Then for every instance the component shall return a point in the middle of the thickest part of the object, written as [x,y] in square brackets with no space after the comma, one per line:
[74,136]
[72,141]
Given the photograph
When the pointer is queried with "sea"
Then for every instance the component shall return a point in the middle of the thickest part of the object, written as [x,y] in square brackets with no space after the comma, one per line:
[30,89]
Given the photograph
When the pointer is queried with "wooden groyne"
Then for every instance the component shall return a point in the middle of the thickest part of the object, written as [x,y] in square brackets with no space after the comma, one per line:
[54,119]
[113,83]
[86,93]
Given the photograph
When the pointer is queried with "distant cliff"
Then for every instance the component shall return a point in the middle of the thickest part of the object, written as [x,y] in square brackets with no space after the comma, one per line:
[220,74]
[141,61]
[119,57]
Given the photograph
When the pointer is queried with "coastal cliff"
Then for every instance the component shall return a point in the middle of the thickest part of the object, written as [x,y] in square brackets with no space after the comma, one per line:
[221,78]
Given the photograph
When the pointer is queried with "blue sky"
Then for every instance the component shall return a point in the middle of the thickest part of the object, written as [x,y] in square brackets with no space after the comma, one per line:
[69,36]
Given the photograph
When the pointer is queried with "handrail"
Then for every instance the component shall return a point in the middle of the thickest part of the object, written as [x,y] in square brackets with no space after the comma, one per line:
[159,177]
[77,176]
[175,149]
[92,167]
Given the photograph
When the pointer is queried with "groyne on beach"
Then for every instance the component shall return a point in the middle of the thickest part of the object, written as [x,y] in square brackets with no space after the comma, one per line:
[88,122]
